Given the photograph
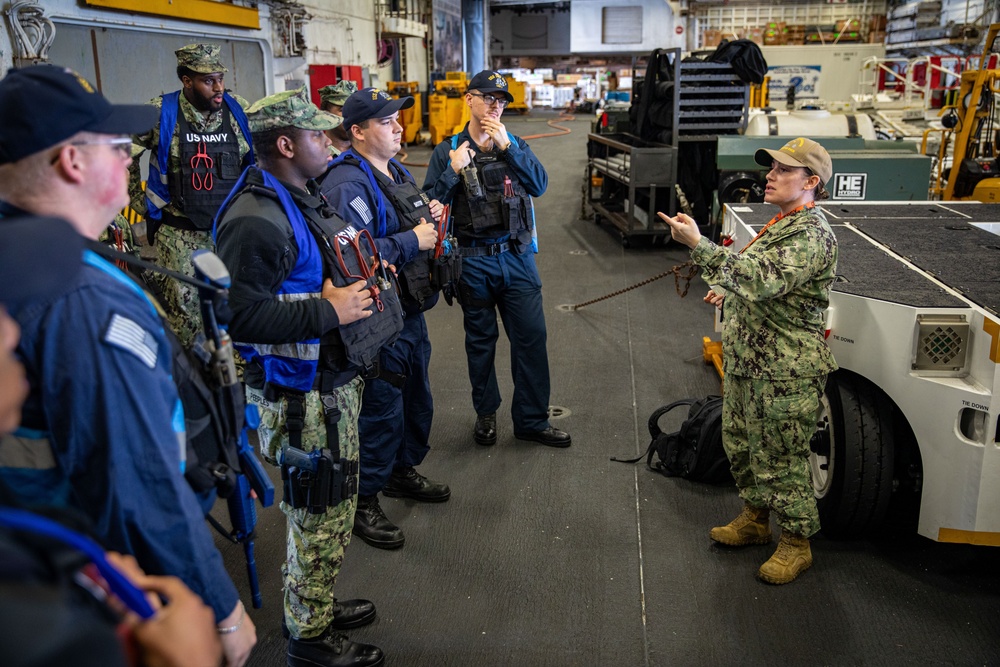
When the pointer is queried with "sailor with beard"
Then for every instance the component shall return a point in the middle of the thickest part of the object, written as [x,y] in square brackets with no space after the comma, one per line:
[193,165]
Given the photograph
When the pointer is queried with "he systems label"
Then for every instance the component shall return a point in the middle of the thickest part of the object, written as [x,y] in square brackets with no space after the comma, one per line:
[850,186]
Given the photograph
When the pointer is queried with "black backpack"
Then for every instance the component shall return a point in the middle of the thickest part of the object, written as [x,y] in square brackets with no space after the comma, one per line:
[744,57]
[651,115]
[695,450]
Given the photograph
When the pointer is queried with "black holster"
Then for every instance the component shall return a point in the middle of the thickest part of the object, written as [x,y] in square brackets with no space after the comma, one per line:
[311,488]
[445,272]
[320,479]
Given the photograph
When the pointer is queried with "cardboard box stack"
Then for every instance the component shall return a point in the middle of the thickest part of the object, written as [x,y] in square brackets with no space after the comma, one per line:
[774,33]
[779,33]
[755,35]
[876,29]
[795,34]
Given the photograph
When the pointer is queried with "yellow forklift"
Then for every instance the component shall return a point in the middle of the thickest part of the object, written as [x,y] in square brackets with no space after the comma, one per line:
[519,90]
[973,121]
[411,119]
[448,112]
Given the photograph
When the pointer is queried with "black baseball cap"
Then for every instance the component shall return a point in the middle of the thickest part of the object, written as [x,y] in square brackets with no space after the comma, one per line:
[43,105]
[38,258]
[489,81]
[371,103]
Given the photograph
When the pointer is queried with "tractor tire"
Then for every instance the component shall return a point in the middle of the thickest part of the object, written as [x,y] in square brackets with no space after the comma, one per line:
[852,458]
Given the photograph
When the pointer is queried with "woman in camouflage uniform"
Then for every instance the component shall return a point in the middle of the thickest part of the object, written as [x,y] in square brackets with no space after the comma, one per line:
[776,359]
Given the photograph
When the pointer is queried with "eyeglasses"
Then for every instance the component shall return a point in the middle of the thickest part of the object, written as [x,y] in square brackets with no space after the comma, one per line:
[490,100]
[122,144]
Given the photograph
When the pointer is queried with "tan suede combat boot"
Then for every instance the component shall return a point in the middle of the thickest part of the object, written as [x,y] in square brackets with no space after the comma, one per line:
[752,526]
[792,557]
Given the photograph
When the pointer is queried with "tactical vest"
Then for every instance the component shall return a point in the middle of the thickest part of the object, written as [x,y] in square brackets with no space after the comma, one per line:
[410,204]
[205,178]
[209,168]
[350,347]
[504,207]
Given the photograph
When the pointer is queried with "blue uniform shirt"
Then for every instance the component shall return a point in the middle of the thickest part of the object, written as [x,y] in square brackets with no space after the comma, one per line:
[99,365]
[352,195]
[441,178]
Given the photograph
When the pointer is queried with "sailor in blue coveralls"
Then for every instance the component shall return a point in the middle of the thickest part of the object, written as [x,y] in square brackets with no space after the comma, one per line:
[374,192]
[493,220]
[103,429]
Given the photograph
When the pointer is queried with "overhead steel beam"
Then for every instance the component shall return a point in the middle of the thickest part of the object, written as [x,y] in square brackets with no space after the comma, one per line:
[205,11]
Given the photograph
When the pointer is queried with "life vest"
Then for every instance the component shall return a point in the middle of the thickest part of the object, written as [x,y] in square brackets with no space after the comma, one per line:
[353,346]
[504,207]
[410,204]
[209,165]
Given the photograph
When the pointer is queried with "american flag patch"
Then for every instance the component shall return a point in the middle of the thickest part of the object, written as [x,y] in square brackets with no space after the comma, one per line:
[125,334]
[359,205]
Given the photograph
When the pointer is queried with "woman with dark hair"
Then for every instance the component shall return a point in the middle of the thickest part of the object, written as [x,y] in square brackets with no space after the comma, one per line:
[776,361]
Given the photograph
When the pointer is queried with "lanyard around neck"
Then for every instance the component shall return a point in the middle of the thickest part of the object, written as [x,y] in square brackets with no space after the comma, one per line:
[775,219]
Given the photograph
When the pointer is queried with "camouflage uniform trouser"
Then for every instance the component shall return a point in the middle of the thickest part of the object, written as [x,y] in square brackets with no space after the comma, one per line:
[766,428]
[174,248]
[316,542]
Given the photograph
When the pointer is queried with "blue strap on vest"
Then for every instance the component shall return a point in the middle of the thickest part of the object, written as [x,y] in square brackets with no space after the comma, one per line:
[366,168]
[170,106]
[124,590]
[240,117]
[294,372]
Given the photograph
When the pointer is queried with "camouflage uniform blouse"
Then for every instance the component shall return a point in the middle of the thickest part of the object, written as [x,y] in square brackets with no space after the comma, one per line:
[149,141]
[776,293]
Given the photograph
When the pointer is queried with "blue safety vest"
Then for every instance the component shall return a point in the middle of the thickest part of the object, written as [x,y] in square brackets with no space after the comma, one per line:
[291,365]
[157,185]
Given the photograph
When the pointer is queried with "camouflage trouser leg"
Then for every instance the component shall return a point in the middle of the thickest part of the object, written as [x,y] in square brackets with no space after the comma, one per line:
[316,542]
[173,251]
[766,428]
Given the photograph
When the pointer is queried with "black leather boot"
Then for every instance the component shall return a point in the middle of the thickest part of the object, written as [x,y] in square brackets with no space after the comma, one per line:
[347,614]
[331,649]
[552,436]
[408,483]
[372,526]
[352,613]
[486,429]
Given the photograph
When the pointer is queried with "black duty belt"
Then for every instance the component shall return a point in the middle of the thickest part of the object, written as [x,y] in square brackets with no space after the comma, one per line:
[491,250]
[181,222]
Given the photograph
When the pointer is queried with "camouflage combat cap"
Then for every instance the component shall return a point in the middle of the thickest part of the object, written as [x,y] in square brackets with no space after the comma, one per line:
[800,152]
[289,108]
[201,58]
[337,94]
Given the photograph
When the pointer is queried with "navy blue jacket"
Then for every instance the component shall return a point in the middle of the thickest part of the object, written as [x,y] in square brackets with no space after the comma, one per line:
[100,365]
[351,194]
[441,178]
